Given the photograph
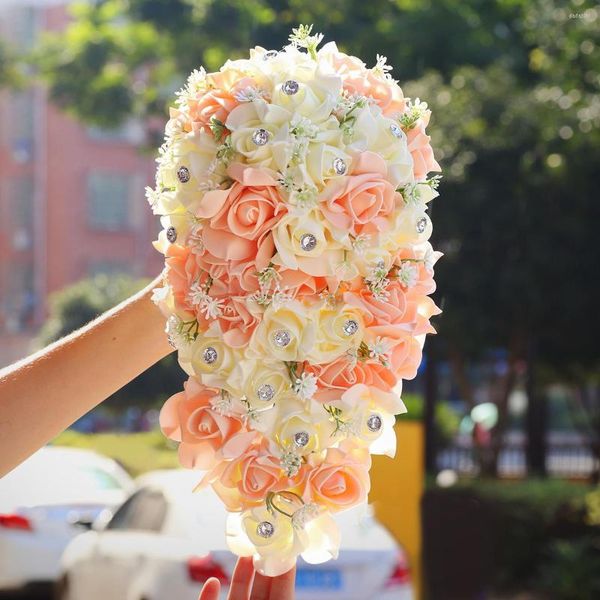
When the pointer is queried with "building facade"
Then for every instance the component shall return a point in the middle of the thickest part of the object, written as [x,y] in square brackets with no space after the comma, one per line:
[71,196]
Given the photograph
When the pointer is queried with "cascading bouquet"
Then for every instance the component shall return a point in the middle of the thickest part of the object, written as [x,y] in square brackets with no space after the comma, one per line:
[293,189]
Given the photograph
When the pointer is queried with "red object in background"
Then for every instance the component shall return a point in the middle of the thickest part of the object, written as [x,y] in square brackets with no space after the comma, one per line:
[15,522]
[401,573]
[201,568]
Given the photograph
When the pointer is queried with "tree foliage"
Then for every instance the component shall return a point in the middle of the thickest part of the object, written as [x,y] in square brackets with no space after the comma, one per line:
[514,86]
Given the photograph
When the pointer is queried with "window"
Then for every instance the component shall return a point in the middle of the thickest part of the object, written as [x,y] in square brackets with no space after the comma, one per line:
[144,511]
[109,201]
[22,217]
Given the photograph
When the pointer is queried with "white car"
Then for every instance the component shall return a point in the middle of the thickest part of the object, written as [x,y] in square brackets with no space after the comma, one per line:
[165,541]
[43,503]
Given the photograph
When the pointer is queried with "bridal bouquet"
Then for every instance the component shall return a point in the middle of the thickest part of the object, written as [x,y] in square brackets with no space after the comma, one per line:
[292,188]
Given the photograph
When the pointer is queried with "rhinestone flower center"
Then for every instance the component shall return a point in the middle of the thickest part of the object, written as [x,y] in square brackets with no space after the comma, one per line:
[374,423]
[172,234]
[265,392]
[183,174]
[350,327]
[301,439]
[265,529]
[210,355]
[282,338]
[261,136]
[308,242]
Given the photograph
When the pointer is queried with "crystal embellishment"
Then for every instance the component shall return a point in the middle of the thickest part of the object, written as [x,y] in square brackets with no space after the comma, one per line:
[183,174]
[260,137]
[396,130]
[421,225]
[282,338]
[265,529]
[290,87]
[339,166]
[210,355]
[172,234]
[374,423]
[270,54]
[350,327]
[301,439]
[265,392]
[308,242]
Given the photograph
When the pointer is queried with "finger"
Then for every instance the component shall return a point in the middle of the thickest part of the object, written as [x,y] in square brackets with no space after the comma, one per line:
[261,589]
[210,590]
[241,582]
[282,586]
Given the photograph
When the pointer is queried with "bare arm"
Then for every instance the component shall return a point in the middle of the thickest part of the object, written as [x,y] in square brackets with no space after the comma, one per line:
[43,394]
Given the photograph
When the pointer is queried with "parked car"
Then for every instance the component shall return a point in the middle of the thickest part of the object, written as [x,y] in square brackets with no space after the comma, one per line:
[165,541]
[43,504]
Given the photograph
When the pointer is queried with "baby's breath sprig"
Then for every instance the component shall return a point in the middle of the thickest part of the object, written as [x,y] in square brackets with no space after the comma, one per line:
[381,68]
[377,281]
[225,152]
[301,38]
[195,84]
[415,110]
[268,276]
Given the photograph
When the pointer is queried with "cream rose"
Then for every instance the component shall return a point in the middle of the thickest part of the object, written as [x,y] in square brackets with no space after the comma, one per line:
[336,332]
[286,333]
[308,243]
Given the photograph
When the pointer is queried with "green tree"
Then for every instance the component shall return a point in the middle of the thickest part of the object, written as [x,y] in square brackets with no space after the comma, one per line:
[82,302]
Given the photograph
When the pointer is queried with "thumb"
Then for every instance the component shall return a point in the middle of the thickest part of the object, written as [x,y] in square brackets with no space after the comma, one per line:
[210,590]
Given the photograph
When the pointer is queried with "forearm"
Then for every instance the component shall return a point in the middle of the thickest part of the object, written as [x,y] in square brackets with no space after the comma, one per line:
[48,391]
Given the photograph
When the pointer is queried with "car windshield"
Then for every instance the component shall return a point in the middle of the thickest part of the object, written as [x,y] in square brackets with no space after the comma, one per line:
[51,478]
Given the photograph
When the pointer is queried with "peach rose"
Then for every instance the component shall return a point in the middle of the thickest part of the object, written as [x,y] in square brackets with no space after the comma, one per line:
[204,434]
[386,94]
[397,308]
[247,480]
[219,100]
[237,321]
[341,480]
[362,201]
[405,350]
[420,149]
[240,219]
[334,378]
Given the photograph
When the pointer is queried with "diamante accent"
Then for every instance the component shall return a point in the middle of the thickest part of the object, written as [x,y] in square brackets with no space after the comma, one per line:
[374,423]
[270,54]
[172,234]
[265,392]
[210,355]
[396,130]
[350,327]
[282,338]
[421,225]
[260,137]
[183,174]
[308,242]
[339,165]
[290,87]
[265,529]
[301,439]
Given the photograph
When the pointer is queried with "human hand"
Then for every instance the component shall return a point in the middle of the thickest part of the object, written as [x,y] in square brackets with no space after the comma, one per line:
[246,584]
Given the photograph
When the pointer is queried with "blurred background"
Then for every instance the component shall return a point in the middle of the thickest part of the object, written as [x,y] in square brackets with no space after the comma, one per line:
[495,492]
